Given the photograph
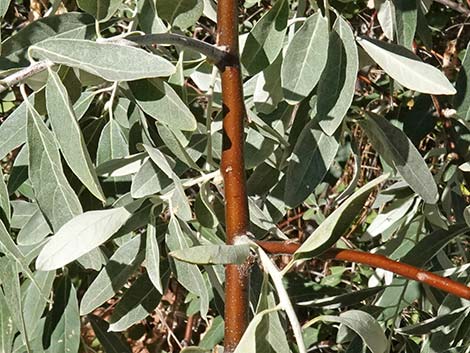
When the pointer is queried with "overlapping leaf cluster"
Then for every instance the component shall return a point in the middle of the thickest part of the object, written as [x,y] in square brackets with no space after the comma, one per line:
[110,190]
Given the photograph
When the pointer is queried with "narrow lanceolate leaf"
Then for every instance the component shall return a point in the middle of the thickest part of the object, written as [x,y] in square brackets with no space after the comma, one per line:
[66,25]
[114,275]
[137,303]
[4,7]
[265,40]
[100,9]
[313,155]
[406,21]
[64,319]
[462,98]
[334,226]
[188,275]
[152,254]
[386,17]
[157,99]
[112,342]
[213,254]
[113,62]
[305,59]
[112,143]
[53,193]
[7,328]
[365,326]
[80,235]
[405,67]
[13,129]
[5,211]
[248,342]
[69,136]
[180,13]
[338,81]
[397,150]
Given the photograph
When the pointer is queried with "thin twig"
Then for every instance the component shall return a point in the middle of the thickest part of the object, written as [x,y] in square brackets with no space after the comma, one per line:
[377,261]
[455,6]
[23,74]
[216,54]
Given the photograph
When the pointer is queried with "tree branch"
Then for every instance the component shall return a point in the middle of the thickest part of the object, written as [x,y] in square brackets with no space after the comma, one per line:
[23,74]
[455,6]
[377,261]
[215,54]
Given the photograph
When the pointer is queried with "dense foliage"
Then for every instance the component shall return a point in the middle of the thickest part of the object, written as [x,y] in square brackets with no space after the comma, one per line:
[112,204]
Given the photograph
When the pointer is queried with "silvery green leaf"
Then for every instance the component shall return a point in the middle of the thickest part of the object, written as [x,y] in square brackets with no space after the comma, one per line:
[365,326]
[462,98]
[398,151]
[34,231]
[343,300]
[102,10]
[5,210]
[4,7]
[334,226]
[406,68]
[406,21]
[80,235]
[157,99]
[64,319]
[338,81]
[390,215]
[160,160]
[55,197]
[248,343]
[265,40]
[69,135]
[148,17]
[139,301]
[152,254]
[112,143]
[7,329]
[112,342]
[9,278]
[173,143]
[203,207]
[83,103]
[180,13]
[34,301]
[67,25]
[313,155]
[305,58]
[386,18]
[179,203]
[149,180]
[268,91]
[113,62]
[430,325]
[213,254]
[114,275]
[13,129]
[188,275]
[121,166]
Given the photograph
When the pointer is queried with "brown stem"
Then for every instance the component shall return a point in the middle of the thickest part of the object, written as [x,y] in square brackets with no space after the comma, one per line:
[455,6]
[378,261]
[188,333]
[233,171]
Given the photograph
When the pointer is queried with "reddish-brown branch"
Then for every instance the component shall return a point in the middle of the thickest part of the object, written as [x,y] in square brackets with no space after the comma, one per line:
[233,171]
[378,261]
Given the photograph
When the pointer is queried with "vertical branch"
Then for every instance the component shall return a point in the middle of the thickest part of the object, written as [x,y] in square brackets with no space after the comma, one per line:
[233,171]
